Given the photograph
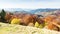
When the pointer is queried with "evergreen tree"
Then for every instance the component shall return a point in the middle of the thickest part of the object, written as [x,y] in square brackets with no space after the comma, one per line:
[2,14]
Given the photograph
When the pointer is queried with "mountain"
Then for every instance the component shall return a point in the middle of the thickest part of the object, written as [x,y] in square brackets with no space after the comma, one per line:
[41,10]
[32,11]
[13,9]
[46,12]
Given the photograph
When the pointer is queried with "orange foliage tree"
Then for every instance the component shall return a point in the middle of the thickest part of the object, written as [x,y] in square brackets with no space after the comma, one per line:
[8,16]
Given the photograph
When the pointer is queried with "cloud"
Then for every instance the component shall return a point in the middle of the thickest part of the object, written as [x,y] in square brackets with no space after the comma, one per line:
[31,4]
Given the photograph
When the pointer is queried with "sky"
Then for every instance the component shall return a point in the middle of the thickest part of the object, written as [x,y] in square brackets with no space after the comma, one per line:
[29,4]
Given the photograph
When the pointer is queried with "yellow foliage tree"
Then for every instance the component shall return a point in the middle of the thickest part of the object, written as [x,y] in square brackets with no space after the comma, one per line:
[15,21]
[37,24]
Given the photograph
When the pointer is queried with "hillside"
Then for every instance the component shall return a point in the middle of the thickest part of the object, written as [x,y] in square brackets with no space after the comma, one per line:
[19,29]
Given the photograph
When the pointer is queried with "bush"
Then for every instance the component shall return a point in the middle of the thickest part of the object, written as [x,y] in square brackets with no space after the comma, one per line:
[15,21]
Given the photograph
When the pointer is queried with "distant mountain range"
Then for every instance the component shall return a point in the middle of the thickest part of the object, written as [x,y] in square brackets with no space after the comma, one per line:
[29,10]
[33,11]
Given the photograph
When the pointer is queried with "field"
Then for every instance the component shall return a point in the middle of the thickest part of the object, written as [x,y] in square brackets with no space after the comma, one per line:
[19,29]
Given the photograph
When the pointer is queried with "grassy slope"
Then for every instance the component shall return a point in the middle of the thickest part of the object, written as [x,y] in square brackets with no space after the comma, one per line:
[19,29]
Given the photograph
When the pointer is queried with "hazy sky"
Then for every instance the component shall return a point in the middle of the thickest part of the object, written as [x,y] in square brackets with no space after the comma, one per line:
[29,4]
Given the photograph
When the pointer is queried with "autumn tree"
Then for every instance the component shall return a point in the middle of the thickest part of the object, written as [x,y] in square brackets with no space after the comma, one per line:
[8,16]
